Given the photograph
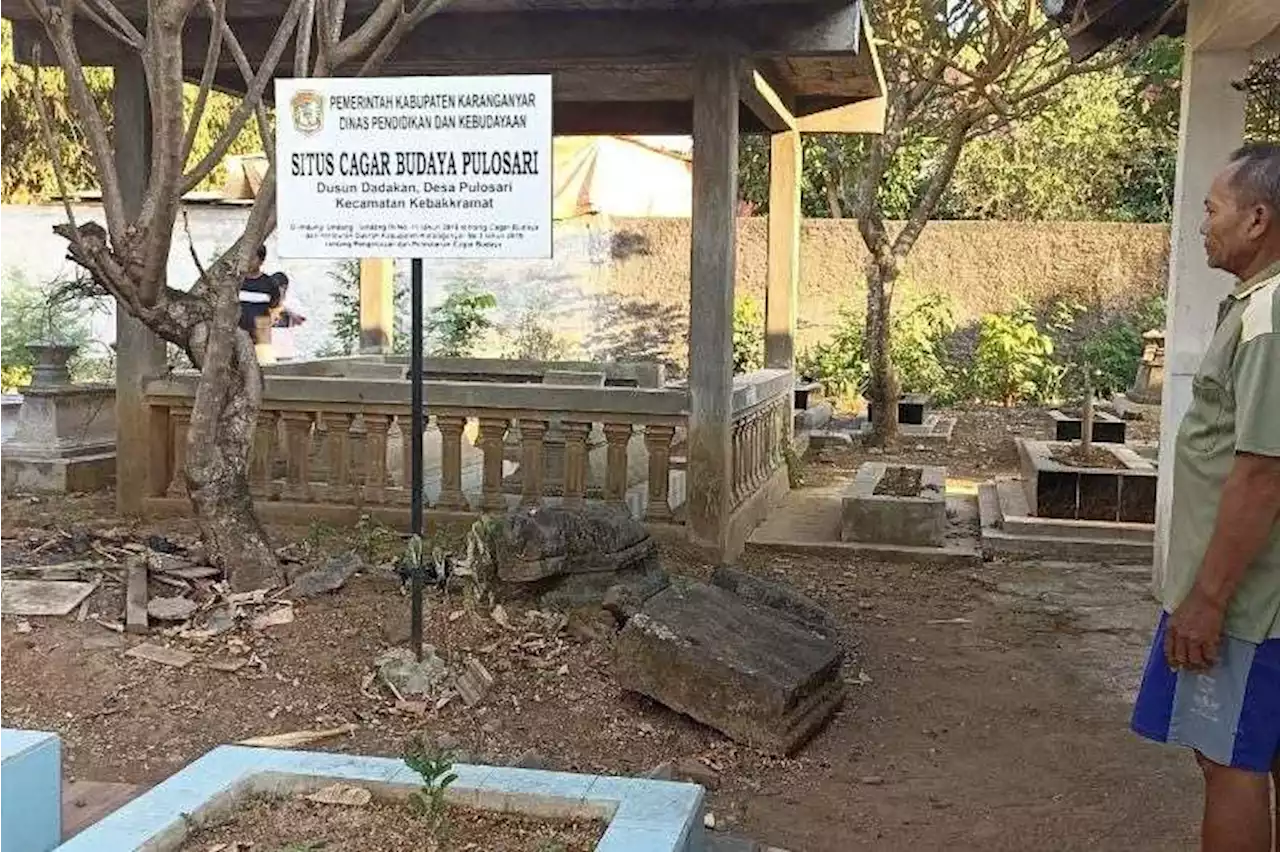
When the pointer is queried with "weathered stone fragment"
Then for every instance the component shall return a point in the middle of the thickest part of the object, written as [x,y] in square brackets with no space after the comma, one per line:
[747,672]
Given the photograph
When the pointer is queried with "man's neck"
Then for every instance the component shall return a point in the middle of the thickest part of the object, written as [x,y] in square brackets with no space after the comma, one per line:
[1262,261]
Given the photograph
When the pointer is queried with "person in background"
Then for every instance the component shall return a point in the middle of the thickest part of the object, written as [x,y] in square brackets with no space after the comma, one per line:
[284,321]
[259,294]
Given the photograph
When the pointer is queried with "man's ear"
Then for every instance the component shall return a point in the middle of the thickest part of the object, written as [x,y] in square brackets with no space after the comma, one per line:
[1262,220]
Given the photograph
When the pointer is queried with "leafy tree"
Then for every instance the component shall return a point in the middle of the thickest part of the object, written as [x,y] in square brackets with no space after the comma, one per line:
[748,335]
[955,72]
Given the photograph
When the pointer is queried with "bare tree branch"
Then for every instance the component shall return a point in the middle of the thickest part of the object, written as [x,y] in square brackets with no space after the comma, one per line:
[302,45]
[260,109]
[922,212]
[58,28]
[366,35]
[217,16]
[249,103]
[50,144]
[122,23]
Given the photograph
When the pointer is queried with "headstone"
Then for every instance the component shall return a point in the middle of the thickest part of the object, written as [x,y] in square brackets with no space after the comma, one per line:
[1148,383]
[745,671]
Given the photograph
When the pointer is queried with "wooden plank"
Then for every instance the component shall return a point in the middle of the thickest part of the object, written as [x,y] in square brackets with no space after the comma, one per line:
[135,605]
[767,97]
[712,274]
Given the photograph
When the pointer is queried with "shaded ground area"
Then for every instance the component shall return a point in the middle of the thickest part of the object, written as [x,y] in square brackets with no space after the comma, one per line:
[987,708]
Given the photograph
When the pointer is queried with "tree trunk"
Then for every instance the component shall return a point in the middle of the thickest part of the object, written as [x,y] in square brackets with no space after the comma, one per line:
[883,389]
[1086,417]
[223,418]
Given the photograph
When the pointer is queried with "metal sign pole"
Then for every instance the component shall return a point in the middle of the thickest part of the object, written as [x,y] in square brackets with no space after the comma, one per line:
[419,418]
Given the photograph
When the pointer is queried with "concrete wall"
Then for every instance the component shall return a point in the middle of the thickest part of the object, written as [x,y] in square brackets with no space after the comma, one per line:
[620,288]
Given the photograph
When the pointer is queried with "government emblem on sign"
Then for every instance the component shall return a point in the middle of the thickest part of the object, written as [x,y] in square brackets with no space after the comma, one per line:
[308,112]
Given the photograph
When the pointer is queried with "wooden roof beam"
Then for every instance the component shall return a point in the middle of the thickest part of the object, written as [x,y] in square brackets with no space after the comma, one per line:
[559,39]
[1232,24]
[770,100]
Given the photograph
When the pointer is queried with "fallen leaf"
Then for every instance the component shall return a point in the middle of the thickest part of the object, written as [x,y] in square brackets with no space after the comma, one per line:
[274,618]
[413,708]
[157,654]
[341,794]
[297,738]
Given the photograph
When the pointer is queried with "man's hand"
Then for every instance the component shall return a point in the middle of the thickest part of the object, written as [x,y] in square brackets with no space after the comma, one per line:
[1194,632]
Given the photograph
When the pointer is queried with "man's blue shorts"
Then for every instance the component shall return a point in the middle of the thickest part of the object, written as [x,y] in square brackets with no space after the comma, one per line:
[1230,713]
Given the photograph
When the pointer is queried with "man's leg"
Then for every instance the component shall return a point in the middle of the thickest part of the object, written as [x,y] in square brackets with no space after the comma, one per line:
[1237,809]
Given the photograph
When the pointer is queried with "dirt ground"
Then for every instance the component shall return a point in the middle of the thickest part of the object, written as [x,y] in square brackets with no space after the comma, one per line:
[987,709]
[297,825]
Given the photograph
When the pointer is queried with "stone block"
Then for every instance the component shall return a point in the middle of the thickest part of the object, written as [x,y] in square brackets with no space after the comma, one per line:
[758,678]
[918,520]
[30,790]
[777,598]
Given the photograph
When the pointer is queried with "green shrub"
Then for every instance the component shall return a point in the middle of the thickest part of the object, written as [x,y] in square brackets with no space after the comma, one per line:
[1013,361]
[839,364]
[918,348]
[460,321]
[748,335]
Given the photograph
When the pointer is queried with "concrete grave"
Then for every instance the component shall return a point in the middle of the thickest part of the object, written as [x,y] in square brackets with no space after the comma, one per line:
[1124,491]
[913,409]
[918,519]
[744,670]
[64,440]
[1107,428]
[30,790]
[1059,510]
[641,814]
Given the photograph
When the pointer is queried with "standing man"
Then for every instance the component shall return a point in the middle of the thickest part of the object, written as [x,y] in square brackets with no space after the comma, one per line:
[1212,681]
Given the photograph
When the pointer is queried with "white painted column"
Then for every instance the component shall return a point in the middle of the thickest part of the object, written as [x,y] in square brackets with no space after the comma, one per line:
[1212,126]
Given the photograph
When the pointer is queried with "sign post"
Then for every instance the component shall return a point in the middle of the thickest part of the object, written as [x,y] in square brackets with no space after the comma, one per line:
[415,168]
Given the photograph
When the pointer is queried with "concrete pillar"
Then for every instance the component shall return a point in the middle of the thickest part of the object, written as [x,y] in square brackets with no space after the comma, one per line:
[784,251]
[377,305]
[1212,126]
[139,352]
[712,273]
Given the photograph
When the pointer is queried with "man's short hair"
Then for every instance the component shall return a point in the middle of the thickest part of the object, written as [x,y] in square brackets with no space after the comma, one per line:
[1257,174]
[262,252]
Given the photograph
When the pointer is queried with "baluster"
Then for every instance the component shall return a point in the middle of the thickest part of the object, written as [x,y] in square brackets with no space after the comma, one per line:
[492,435]
[181,419]
[404,487]
[451,496]
[739,463]
[757,450]
[158,473]
[657,440]
[297,436]
[338,452]
[263,462]
[531,434]
[575,462]
[319,451]
[617,436]
[375,482]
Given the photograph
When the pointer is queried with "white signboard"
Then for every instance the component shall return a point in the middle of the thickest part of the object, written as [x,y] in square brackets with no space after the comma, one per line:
[405,167]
